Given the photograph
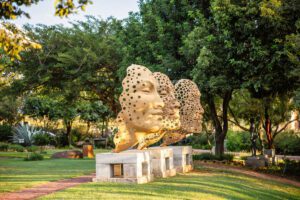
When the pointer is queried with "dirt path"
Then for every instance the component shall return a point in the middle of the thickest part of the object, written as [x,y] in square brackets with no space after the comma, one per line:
[47,188]
[248,172]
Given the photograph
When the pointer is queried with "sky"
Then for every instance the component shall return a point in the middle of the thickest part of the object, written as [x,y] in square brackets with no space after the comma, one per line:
[43,12]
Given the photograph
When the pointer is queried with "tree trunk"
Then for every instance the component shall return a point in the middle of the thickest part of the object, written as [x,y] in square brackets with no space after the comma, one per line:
[220,128]
[268,129]
[219,151]
[69,129]
[88,127]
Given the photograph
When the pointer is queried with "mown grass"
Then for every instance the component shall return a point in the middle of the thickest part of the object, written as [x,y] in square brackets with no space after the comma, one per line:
[16,174]
[202,184]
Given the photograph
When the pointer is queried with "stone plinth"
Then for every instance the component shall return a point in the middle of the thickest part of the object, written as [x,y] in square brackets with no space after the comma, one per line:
[128,167]
[162,161]
[183,158]
[256,161]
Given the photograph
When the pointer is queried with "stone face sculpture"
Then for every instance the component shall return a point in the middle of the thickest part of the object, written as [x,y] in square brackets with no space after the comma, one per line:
[166,90]
[141,113]
[170,116]
[191,111]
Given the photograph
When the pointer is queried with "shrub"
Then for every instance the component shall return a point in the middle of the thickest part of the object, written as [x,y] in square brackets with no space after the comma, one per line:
[239,141]
[16,147]
[61,139]
[24,132]
[287,143]
[32,148]
[200,141]
[41,139]
[209,156]
[3,146]
[291,167]
[34,157]
[5,133]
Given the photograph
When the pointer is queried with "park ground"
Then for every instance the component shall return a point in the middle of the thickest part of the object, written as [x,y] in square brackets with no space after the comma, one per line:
[203,183]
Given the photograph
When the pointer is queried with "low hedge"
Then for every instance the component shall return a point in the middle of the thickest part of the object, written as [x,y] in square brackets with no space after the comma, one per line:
[209,156]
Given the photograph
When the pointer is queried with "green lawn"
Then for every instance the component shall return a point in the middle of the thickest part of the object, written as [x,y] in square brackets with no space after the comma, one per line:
[204,184]
[15,173]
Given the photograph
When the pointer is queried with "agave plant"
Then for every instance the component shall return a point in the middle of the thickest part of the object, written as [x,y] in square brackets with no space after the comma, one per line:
[23,133]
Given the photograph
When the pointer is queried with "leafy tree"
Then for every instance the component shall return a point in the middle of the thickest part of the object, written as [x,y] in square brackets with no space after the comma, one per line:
[243,108]
[241,45]
[11,9]
[76,67]
[153,36]
[92,112]
[12,39]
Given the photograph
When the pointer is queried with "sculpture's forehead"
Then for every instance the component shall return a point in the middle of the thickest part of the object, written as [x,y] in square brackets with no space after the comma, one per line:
[187,89]
[137,74]
[163,80]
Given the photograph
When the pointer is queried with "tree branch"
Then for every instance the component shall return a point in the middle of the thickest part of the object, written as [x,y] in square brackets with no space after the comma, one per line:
[284,127]
[236,122]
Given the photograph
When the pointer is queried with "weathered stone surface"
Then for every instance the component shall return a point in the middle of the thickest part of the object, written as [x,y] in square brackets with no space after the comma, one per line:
[68,154]
[162,161]
[256,161]
[135,167]
[183,158]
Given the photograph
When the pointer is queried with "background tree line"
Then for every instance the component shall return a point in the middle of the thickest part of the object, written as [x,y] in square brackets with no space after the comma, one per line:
[243,55]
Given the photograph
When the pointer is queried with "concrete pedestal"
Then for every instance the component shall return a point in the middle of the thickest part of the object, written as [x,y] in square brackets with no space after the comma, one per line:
[162,161]
[128,167]
[256,161]
[183,158]
[271,155]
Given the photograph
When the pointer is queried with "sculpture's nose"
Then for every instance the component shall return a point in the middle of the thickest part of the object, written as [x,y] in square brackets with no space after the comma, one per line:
[176,104]
[158,104]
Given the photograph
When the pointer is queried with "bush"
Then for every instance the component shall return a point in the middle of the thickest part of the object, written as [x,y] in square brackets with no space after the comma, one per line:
[5,133]
[199,141]
[41,139]
[16,147]
[291,167]
[3,146]
[34,157]
[61,139]
[209,156]
[32,148]
[287,143]
[239,141]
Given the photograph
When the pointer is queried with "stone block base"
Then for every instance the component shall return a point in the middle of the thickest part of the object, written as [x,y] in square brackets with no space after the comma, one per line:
[256,162]
[127,167]
[162,161]
[183,158]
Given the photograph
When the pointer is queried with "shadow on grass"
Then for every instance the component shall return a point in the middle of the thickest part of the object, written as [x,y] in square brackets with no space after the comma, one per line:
[216,186]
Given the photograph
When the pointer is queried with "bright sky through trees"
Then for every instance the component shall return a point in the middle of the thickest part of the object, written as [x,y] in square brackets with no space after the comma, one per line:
[44,11]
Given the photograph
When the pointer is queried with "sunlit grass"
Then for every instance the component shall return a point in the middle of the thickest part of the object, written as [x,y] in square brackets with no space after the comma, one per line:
[16,174]
[203,184]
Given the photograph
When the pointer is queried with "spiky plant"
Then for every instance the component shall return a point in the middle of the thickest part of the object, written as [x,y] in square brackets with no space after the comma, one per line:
[25,132]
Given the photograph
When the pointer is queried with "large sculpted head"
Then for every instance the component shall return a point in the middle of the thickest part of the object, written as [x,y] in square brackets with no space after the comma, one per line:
[140,101]
[166,90]
[191,111]
[142,108]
